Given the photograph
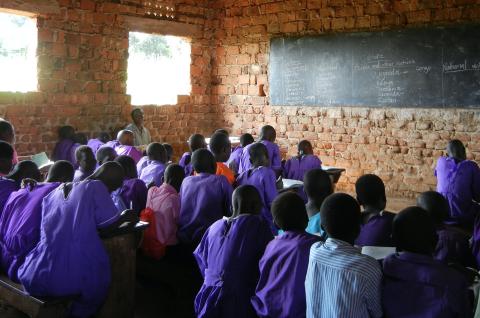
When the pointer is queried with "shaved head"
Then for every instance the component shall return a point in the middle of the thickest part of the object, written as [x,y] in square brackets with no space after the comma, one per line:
[25,170]
[105,154]
[125,137]
[61,171]
[111,174]
[246,200]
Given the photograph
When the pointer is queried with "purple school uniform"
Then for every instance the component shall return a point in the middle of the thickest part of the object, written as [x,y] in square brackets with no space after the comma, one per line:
[7,186]
[95,144]
[281,288]
[20,226]
[134,194]
[80,175]
[453,247]
[142,163]
[459,183]
[65,150]
[416,285]
[186,163]
[235,156]
[273,155]
[296,167]
[111,144]
[70,258]
[377,231]
[228,258]
[205,198]
[131,151]
[153,172]
[263,179]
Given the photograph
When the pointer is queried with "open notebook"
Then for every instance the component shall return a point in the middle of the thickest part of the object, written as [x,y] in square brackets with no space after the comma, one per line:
[378,252]
[41,160]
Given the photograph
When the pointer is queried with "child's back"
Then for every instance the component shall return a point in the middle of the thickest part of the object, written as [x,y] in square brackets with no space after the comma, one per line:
[296,167]
[377,230]
[273,155]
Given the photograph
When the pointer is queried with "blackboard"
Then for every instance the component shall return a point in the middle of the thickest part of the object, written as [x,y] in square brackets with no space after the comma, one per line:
[416,67]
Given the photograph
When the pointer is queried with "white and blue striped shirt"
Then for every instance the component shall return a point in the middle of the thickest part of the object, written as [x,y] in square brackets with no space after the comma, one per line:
[341,282]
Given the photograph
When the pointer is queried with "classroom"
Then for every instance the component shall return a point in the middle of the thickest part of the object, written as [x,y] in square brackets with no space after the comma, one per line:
[218,158]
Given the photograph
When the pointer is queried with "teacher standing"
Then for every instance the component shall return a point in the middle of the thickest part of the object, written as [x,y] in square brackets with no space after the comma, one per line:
[140,132]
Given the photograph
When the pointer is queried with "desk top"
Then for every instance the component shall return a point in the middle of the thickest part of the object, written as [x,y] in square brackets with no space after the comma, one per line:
[127,228]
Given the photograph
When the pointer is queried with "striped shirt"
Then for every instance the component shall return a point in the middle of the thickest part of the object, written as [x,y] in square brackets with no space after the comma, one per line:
[341,282]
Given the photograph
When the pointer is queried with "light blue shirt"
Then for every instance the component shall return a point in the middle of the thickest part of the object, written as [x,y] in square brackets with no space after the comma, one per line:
[313,226]
[341,282]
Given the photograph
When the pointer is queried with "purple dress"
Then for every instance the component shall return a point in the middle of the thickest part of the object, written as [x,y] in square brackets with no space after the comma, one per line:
[95,144]
[111,144]
[273,155]
[134,194]
[281,288]
[453,247]
[65,150]
[80,175]
[7,186]
[205,198]
[228,258]
[70,258]
[263,179]
[416,285]
[377,231]
[142,163]
[459,183]
[153,172]
[20,226]
[186,163]
[295,168]
[130,151]
[234,160]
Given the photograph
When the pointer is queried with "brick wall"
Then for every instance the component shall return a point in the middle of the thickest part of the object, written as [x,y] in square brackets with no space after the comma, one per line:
[401,145]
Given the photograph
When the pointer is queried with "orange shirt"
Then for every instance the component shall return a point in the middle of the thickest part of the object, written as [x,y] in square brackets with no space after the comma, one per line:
[224,170]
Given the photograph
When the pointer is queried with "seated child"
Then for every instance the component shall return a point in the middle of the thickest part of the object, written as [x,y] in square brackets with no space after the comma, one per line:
[415,284]
[133,191]
[221,148]
[453,244]
[81,139]
[162,212]
[376,222]
[152,173]
[228,257]
[196,141]
[205,198]
[318,186]
[98,142]
[281,288]
[20,220]
[7,134]
[70,258]
[66,146]
[234,160]
[296,167]
[458,180]
[222,131]
[341,282]
[86,163]
[267,137]
[169,150]
[262,177]
[125,147]
[105,154]
[7,186]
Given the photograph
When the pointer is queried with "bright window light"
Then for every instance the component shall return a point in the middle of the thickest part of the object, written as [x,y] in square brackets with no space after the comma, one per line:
[158,69]
[18,53]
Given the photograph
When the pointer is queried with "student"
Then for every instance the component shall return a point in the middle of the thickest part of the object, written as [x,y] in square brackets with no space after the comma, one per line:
[222,131]
[125,146]
[7,186]
[340,281]
[221,148]
[7,134]
[66,146]
[458,180]
[86,163]
[262,177]
[169,150]
[267,137]
[141,133]
[234,160]
[21,216]
[228,257]
[98,142]
[205,198]
[133,192]
[376,222]
[105,154]
[70,258]
[415,284]
[157,158]
[296,167]
[453,245]
[81,139]
[195,142]
[162,212]
[318,186]
[281,288]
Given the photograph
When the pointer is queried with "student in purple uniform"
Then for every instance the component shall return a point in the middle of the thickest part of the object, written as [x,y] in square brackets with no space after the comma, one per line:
[66,146]
[453,244]
[195,142]
[133,191]
[81,139]
[228,258]
[415,284]
[20,220]
[458,180]
[70,258]
[296,167]
[221,149]
[234,160]
[86,163]
[105,154]
[267,137]
[205,198]
[98,142]
[318,186]
[376,222]
[7,134]
[7,186]
[262,177]
[281,288]
[157,158]
[126,147]
[169,150]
